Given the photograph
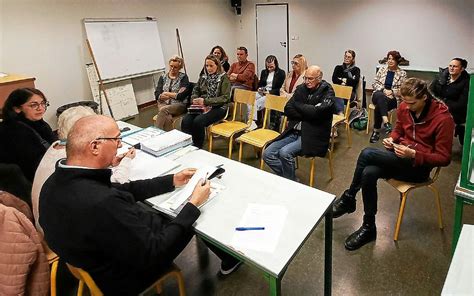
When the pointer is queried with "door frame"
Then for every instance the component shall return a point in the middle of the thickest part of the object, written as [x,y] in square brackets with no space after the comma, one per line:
[287,31]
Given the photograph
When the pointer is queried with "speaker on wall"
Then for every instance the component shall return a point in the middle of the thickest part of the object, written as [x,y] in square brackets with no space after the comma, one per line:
[237,4]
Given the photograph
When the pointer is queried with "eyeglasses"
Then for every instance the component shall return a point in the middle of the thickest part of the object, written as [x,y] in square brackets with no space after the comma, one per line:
[117,139]
[36,106]
[293,63]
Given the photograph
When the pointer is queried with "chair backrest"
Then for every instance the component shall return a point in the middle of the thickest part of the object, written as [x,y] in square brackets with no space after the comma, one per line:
[276,103]
[343,92]
[84,276]
[242,96]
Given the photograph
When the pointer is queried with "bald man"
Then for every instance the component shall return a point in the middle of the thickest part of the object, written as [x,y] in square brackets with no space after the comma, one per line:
[96,225]
[309,112]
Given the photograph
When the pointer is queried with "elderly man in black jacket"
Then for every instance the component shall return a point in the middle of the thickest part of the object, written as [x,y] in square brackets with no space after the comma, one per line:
[97,226]
[309,112]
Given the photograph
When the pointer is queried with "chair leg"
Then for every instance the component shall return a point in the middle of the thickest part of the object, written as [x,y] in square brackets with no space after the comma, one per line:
[180,279]
[311,173]
[231,142]
[331,169]
[240,151]
[210,141]
[348,130]
[80,289]
[54,270]
[400,214]
[438,204]
[369,114]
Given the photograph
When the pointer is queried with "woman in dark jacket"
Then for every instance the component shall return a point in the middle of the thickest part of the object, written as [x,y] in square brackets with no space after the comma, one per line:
[346,74]
[452,87]
[271,80]
[25,135]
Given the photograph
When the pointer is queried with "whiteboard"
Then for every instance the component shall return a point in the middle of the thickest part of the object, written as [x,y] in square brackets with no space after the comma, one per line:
[125,48]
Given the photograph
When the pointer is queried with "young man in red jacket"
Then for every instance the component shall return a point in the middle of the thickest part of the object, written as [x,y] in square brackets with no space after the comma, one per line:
[421,140]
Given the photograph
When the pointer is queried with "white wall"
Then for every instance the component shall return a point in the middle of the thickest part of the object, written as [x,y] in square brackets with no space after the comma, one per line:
[427,32]
[1,35]
[46,39]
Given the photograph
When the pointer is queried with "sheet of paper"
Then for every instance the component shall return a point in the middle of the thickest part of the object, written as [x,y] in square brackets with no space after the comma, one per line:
[142,135]
[201,174]
[272,217]
[146,166]
[3,74]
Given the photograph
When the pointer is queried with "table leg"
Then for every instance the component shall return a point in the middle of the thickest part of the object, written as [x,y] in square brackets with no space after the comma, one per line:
[328,252]
[275,286]
[457,222]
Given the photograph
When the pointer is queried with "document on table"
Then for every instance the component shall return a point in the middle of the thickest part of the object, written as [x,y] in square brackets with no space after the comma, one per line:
[271,217]
[146,166]
[142,135]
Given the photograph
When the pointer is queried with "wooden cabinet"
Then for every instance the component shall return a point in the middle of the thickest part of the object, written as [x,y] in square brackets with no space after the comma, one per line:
[11,82]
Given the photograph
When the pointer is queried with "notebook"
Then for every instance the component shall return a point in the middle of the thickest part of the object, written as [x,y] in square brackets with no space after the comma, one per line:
[166,142]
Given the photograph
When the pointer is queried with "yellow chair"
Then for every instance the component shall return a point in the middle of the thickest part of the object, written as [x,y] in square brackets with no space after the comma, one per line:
[313,164]
[176,120]
[261,137]
[53,261]
[343,92]
[84,277]
[371,114]
[405,187]
[228,129]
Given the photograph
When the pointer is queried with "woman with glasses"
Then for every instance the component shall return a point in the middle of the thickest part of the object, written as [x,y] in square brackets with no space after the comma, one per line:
[346,74]
[25,136]
[171,94]
[292,80]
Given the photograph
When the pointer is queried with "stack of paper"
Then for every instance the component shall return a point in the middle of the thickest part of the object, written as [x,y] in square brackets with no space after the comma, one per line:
[142,135]
[166,142]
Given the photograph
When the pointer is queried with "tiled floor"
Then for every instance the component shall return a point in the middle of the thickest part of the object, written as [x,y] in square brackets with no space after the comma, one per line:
[415,265]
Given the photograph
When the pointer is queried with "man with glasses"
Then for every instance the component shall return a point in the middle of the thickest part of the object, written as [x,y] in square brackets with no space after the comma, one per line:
[309,112]
[96,225]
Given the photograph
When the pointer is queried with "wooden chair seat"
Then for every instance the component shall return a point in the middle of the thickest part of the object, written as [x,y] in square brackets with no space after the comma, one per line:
[259,137]
[228,128]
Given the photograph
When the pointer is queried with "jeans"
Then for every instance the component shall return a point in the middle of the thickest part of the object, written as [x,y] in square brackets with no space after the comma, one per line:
[374,164]
[195,124]
[280,155]
[383,104]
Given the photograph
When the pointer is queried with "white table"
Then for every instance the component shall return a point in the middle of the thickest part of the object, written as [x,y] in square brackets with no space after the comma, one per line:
[245,184]
[460,279]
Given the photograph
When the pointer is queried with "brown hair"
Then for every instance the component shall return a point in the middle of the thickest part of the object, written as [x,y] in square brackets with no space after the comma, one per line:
[224,55]
[415,87]
[243,48]
[395,55]
[302,60]
[213,58]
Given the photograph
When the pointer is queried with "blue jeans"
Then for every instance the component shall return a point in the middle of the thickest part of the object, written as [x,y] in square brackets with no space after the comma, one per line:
[373,164]
[280,155]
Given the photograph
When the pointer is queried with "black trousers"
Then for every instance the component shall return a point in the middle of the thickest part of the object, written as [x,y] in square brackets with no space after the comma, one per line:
[373,164]
[383,104]
[195,124]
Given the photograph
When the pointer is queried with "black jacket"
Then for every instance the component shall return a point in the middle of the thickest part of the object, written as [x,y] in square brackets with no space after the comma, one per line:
[314,108]
[21,146]
[97,226]
[278,79]
[455,94]
[352,75]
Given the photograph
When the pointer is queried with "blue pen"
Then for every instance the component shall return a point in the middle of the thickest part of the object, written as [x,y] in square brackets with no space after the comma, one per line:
[249,228]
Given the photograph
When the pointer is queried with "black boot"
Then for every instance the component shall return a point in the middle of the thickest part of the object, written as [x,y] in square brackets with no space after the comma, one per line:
[345,204]
[374,138]
[364,235]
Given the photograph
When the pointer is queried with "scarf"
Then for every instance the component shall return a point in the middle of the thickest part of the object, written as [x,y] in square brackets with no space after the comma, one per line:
[172,85]
[212,84]
[348,69]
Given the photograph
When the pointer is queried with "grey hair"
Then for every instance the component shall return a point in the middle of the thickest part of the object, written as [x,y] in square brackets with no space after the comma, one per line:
[67,119]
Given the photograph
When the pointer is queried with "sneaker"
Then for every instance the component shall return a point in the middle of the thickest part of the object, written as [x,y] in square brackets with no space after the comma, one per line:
[364,235]
[374,138]
[229,266]
[388,127]
[252,126]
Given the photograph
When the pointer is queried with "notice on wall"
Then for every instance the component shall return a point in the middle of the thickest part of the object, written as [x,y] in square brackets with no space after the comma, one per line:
[120,94]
